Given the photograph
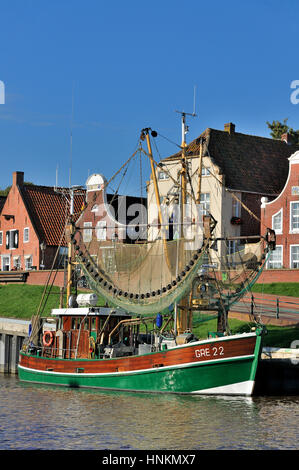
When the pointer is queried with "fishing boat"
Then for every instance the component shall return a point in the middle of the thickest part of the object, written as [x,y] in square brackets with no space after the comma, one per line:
[155,288]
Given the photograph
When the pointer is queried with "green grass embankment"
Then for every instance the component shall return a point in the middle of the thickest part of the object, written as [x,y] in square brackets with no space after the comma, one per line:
[23,300]
[278,288]
[277,336]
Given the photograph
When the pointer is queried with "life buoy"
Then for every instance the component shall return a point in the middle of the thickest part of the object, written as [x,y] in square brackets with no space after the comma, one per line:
[47,338]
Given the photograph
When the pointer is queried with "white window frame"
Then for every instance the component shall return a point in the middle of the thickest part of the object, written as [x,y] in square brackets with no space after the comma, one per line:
[87,231]
[236,208]
[1,238]
[26,258]
[275,261]
[26,239]
[291,260]
[205,171]
[163,176]
[15,258]
[12,234]
[101,230]
[203,202]
[2,264]
[292,230]
[279,230]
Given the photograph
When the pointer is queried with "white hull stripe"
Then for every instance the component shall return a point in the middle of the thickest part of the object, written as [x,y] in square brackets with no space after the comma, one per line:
[129,372]
[241,388]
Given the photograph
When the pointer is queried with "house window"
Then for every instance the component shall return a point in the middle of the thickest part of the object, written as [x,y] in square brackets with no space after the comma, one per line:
[62,259]
[232,249]
[17,262]
[28,261]
[236,208]
[275,259]
[205,171]
[5,263]
[294,216]
[1,238]
[294,256]
[101,230]
[12,239]
[26,235]
[205,203]
[277,222]
[87,232]
[163,175]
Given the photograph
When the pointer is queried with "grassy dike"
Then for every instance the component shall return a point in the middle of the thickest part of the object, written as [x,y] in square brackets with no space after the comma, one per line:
[278,288]
[22,301]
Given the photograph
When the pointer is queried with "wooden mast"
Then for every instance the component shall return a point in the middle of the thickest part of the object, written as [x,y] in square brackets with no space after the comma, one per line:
[150,153]
[70,250]
[184,316]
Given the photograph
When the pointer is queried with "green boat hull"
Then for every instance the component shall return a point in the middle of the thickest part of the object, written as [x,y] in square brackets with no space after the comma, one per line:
[232,376]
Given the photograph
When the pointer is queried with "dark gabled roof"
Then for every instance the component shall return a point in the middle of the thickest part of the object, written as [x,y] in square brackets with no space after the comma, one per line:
[249,163]
[48,210]
[2,202]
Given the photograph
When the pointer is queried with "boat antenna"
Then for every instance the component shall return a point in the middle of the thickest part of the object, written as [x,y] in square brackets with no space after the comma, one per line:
[183,114]
[56,184]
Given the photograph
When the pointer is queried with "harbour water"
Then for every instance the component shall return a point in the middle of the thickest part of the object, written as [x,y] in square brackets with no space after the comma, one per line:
[53,418]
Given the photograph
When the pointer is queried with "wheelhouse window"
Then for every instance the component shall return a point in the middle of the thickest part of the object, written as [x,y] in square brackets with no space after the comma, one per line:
[294,256]
[294,216]
[277,222]
[275,259]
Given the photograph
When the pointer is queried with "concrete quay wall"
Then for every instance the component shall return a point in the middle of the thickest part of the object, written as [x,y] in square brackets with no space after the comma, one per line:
[12,334]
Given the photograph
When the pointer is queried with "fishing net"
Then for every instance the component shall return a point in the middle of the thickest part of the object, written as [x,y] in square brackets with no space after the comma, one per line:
[146,278]
[141,278]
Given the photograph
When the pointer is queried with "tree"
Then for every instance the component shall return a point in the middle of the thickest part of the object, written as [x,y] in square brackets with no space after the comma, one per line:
[278,128]
[4,192]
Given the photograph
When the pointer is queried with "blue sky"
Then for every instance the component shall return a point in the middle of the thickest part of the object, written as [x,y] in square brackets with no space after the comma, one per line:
[104,70]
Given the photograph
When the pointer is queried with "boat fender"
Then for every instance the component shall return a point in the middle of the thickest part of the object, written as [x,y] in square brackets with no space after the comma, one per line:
[47,338]
[159,320]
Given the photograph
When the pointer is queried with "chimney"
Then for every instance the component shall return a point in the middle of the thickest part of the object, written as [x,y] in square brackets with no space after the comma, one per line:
[229,127]
[18,178]
[286,138]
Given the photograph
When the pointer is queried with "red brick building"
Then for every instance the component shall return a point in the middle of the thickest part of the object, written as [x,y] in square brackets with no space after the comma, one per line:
[282,214]
[32,224]
[109,215]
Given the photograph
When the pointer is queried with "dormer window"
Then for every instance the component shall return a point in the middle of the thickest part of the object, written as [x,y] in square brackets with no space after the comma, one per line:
[277,222]
[163,175]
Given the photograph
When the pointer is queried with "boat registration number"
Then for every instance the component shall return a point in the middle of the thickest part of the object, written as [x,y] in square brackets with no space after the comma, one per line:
[214,351]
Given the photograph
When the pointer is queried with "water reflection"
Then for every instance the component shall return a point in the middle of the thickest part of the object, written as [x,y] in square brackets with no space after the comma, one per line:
[42,417]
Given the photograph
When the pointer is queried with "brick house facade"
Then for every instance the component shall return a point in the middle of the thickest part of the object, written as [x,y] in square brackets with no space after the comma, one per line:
[32,224]
[107,215]
[237,171]
[282,214]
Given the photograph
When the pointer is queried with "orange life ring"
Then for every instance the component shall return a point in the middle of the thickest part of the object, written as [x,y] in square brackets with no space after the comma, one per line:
[49,341]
